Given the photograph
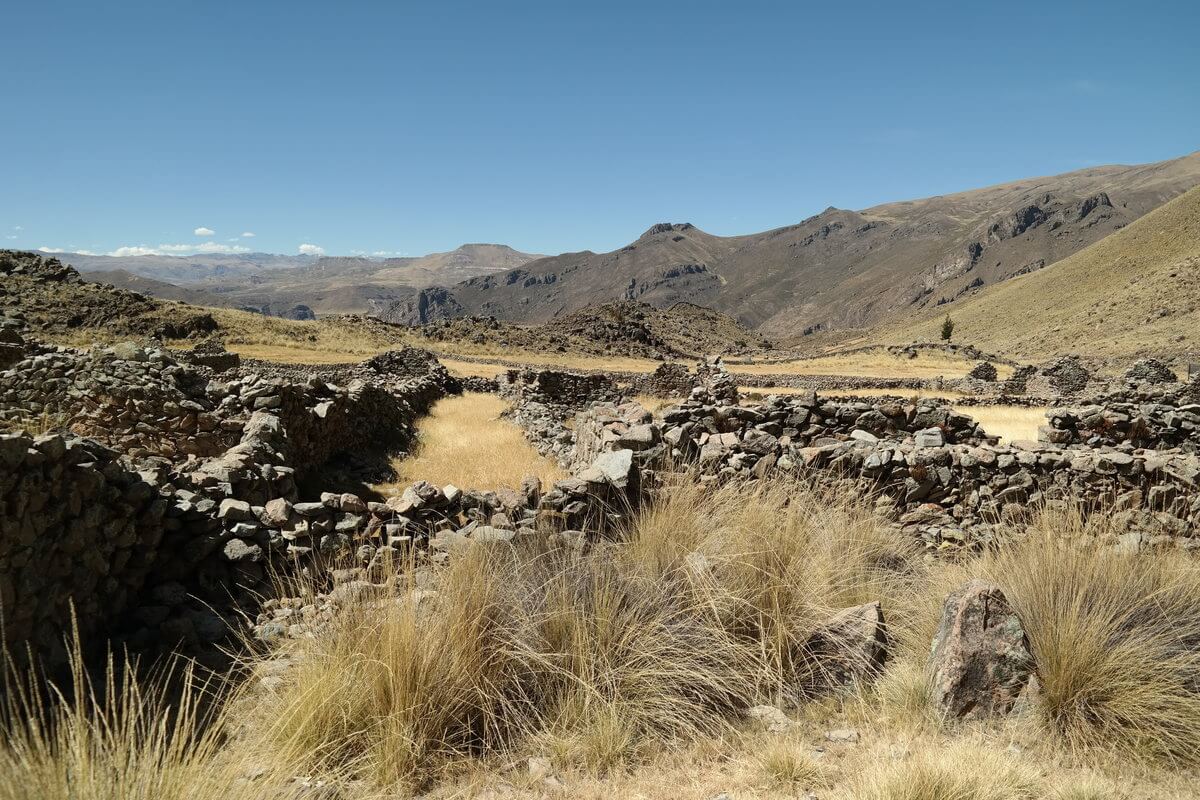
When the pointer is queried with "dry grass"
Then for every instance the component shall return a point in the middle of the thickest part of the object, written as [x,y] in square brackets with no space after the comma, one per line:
[464,441]
[1010,423]
[780,561]
[471,369]
[124,740]
[570,652]
[628,666]
[964,771]
[872,363]
[35,424]
[600,660]
[654,404]
[1116,638]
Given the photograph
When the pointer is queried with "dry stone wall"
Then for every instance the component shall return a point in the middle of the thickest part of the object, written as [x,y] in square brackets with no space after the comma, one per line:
[155,548]
[934,472]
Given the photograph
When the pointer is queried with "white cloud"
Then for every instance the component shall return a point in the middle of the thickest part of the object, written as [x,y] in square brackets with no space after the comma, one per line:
[202,248]
[203,231]
[311,250]
[11,237]
[67,250]
[248,235]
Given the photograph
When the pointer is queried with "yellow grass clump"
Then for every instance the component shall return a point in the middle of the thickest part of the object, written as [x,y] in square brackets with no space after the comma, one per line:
[963,771]
[1116,638]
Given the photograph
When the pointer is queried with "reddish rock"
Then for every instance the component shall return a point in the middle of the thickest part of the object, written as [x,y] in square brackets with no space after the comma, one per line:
[980,661]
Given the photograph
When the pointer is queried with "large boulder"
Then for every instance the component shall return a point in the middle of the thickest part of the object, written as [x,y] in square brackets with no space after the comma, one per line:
[980,661]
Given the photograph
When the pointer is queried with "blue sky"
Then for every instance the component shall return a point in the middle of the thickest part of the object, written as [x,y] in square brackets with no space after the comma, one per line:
[396,127]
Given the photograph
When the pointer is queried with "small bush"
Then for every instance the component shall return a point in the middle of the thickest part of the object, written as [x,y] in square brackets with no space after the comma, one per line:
[785,763]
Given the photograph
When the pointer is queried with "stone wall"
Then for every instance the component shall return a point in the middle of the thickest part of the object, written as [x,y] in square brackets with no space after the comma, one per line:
[156,549]
[139,401]
[1157,426]
[79,531]
[558,388]
[946,483]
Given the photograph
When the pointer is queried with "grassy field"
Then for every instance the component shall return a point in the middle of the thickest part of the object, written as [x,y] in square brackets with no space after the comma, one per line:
[1010,423]
[464,441]
[873,363]
[626,670]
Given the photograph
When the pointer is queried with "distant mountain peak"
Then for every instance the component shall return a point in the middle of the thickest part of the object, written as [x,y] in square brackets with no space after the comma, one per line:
[667,227]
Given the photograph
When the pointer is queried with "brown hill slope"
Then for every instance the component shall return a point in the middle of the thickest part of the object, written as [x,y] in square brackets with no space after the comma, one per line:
[1134,293]
[837,270]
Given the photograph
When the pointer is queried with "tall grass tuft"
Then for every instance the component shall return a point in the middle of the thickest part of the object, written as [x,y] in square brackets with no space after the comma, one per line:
[1116,638]
[775,560]
[964,770]
[519,645]
[127,739]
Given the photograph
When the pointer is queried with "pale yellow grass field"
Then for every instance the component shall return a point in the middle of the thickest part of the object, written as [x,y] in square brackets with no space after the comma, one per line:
[873,364]
[908,394]
[653,404]
[300,353]
[471,369]
[1010,423]
[464,441]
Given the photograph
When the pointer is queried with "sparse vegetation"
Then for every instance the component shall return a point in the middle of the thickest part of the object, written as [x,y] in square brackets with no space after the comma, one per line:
[947,328]
[626,663]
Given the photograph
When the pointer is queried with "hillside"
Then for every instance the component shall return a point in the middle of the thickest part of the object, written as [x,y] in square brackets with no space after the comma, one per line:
[1134,293]
[837,270]
[277,285]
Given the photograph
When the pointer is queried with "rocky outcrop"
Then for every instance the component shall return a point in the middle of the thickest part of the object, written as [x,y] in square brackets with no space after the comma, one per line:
[980,662]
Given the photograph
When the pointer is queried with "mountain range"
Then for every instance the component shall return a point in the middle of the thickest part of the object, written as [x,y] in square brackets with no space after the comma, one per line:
[294,285]
[838,271]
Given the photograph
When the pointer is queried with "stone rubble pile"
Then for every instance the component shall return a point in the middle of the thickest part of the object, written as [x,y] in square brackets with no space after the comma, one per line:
[1150,370]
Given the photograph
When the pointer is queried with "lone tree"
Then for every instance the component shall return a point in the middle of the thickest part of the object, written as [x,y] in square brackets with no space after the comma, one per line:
[947,328]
